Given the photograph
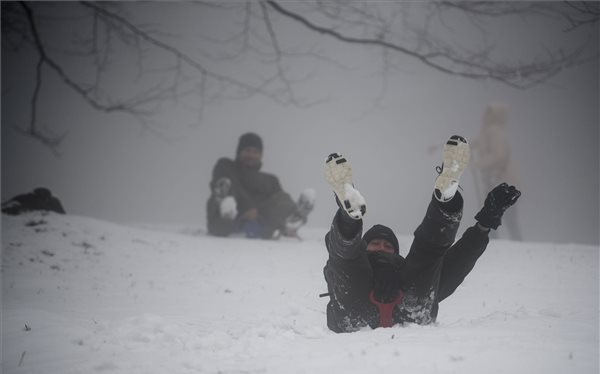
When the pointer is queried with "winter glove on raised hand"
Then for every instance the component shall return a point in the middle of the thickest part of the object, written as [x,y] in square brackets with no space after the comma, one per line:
[497,201]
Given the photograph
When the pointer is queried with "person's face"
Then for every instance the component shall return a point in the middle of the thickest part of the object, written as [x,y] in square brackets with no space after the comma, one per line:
[250,156]
[380,245]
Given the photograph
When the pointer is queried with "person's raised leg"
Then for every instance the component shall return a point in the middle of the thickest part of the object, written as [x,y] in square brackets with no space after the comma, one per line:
[348,272]
[435,234]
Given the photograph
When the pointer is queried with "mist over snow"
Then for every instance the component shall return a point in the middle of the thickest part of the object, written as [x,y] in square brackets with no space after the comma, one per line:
[81,295]
[113,168]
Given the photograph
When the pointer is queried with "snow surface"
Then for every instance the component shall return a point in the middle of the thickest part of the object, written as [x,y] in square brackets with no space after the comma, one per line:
[87,296]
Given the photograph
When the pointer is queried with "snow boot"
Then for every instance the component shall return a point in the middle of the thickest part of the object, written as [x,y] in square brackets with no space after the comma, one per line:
[306,202]
[304,205]
[455,157]
[338,173]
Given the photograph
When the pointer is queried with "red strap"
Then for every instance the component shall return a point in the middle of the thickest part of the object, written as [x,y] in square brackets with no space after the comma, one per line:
[385,310]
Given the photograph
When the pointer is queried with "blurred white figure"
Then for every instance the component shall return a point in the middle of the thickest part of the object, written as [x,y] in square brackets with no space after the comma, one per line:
[492,160]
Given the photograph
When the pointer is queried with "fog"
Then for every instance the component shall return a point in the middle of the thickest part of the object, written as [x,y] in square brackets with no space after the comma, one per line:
[114,169]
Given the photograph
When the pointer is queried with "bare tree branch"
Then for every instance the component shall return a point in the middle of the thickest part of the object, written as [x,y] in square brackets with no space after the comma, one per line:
[163,70]
[585,13]
[446,61]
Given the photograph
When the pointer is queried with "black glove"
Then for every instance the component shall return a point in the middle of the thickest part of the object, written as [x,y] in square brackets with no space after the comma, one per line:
[497,201]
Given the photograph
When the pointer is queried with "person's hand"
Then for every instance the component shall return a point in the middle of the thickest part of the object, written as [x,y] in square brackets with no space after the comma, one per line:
[250,215]
[497,201]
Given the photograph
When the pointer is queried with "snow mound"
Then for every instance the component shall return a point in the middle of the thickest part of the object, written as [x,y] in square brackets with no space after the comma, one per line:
[86,296]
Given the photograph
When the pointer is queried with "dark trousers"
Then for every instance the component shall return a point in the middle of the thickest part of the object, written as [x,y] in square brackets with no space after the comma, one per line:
[272,214]
[436,265]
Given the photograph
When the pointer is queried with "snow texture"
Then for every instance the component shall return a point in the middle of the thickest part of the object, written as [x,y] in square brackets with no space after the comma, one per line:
[87,296]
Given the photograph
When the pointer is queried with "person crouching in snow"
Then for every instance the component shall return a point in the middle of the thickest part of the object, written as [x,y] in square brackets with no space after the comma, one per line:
[247,200]
[369,283]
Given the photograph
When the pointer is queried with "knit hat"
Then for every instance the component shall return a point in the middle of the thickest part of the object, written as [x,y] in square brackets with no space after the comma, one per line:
[382,232]
[249,139]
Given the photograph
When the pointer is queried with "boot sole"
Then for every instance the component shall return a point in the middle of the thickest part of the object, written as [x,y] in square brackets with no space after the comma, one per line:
[338,173]
[455,157]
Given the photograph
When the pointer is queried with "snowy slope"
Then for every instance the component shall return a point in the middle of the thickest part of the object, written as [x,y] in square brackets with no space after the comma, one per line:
[87,296]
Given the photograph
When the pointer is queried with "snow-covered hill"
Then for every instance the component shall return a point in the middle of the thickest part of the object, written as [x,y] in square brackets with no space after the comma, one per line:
[87,296]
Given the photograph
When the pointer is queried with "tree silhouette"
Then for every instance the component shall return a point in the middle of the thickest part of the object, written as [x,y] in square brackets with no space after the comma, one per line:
[256,33]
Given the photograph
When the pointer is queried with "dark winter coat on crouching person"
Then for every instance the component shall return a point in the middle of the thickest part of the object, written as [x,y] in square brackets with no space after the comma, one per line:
[375,289]
[40,199]
[252,189]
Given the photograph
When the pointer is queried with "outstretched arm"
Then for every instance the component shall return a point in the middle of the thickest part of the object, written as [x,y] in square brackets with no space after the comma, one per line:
[461,257]
[460,260]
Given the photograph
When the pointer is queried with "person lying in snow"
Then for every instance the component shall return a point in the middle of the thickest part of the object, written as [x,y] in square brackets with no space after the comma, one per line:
[369,283]
[245,199]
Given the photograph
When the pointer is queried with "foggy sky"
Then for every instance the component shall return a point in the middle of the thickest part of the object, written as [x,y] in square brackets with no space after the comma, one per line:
[113,170]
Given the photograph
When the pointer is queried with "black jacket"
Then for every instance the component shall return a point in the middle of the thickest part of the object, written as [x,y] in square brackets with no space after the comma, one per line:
[251,188]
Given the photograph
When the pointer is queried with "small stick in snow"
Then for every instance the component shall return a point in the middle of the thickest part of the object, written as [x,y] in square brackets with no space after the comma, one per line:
[22,357]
